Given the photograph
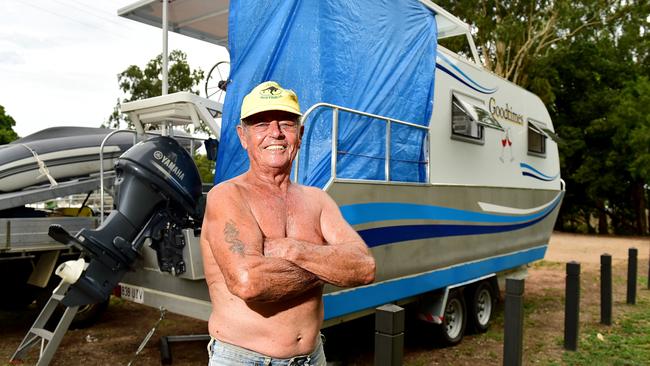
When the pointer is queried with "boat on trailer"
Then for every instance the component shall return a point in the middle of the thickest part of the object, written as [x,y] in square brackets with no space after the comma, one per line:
[478,198]
[62,154]
[58,154]
[485,205]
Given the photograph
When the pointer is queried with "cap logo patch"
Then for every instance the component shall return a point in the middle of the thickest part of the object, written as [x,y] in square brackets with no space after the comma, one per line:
[271,92]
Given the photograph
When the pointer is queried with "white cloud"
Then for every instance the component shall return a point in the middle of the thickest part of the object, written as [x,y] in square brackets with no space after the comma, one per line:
[59,59]
[11,58]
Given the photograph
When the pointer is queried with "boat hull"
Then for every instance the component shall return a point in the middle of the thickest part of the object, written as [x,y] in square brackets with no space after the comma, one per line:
[463,242]
[64,152]
[425,237]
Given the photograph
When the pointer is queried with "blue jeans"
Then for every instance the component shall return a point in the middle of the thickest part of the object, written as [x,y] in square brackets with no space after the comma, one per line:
[226,354]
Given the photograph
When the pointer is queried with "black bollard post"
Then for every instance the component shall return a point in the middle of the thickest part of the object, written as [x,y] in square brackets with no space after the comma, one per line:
[572,306]
[631,275]
[513,337]
[389,335]
[606,289]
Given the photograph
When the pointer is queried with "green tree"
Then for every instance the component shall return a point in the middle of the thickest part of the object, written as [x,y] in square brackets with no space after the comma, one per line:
[138,83]
[512,37]
[206,168]
[7,133]
[598,82]
[631,142]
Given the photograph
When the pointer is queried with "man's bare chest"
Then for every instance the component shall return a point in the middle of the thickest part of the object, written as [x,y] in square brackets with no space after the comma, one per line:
[293,216]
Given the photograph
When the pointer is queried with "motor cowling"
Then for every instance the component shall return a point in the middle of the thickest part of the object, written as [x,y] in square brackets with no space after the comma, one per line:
[157,194]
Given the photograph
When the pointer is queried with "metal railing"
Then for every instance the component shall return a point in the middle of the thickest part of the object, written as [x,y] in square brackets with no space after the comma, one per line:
[335,131]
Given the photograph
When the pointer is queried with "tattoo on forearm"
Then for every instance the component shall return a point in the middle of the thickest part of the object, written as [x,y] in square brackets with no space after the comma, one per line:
[231,234]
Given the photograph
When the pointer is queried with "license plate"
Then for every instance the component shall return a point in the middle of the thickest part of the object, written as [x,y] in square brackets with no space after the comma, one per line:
[132,293]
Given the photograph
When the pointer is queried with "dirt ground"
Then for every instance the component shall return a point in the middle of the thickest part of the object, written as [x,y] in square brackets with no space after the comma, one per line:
[587,249]
[114,340]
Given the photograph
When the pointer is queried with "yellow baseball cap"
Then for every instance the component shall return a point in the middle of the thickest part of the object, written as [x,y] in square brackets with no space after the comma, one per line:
[270,96]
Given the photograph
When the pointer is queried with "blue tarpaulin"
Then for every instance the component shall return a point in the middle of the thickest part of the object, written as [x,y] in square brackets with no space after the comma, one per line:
[376,56]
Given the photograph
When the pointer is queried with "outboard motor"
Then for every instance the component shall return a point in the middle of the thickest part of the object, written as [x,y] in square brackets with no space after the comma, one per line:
[157,194]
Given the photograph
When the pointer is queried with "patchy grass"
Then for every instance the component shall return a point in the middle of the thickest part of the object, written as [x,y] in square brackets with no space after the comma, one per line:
[548,264]
[627,342]
[643,282]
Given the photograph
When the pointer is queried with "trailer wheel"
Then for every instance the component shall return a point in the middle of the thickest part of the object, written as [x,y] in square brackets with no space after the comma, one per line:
[88,315]
[482,306]
[454,319]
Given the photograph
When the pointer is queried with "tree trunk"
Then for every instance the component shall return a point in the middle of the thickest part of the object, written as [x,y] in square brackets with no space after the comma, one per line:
[602,218]
[587,218]
[640,206]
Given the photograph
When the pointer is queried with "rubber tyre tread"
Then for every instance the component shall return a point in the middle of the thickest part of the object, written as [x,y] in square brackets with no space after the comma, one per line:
[472,299]
[443,336]
[88,315]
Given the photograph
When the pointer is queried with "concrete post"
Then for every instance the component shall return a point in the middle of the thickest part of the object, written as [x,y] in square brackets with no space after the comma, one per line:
[572,306]
[389,335]
[606,289]
[631,275]
[514,323]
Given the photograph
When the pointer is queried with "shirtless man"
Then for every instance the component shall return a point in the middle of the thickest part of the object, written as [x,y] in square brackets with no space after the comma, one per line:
[270,245]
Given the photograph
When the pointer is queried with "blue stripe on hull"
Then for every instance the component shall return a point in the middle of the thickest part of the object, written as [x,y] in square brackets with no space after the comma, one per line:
[363,213]
[393,234]
[350,301]
[479,88]
[539,174]
[527,174]
[460,80]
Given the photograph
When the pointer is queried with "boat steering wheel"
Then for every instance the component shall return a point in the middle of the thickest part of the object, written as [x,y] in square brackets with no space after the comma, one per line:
[217,81]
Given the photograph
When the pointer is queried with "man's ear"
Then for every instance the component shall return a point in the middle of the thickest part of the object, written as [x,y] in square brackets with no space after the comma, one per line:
[301,131]
[240,133]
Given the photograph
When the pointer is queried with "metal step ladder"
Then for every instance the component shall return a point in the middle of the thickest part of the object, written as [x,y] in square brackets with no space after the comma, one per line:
[49,340]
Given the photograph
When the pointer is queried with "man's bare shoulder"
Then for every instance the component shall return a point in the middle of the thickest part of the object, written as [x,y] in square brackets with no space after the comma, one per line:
[227,189]
[315,193]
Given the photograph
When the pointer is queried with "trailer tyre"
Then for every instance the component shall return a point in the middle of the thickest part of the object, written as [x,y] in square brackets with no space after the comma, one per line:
[454,320]
[482,304]
[88,315]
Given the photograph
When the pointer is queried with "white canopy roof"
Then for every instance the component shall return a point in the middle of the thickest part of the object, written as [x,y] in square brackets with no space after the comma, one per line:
[202,19]
[208,19]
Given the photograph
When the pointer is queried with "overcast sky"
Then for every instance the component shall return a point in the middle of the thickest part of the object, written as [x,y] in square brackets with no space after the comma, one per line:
[59,59]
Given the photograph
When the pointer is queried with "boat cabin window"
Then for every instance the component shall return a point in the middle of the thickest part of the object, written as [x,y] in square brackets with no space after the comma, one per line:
[536,140]
[469,118]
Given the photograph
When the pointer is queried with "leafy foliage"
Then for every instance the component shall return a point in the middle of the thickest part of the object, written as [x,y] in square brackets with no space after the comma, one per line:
[602,113]
[206,168]
[139,83]
[516,36]
[7,133]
